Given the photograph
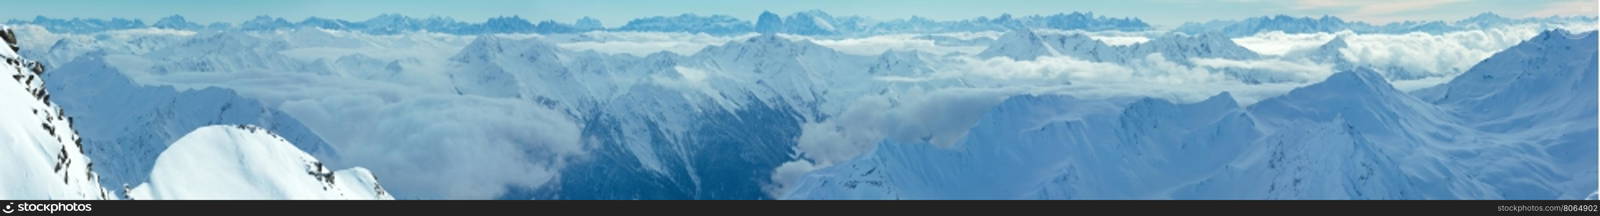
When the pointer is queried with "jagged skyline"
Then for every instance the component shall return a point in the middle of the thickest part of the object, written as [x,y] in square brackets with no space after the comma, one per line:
[812,22]
[802,105]
[1160,13]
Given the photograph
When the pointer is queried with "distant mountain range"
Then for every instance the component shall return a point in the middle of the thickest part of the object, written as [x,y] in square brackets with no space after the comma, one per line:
[1290,24]
[1519,125]
[48,160]
[814,22]
[1040,109]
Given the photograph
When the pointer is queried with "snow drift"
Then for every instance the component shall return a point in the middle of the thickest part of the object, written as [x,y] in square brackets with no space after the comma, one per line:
[247,162]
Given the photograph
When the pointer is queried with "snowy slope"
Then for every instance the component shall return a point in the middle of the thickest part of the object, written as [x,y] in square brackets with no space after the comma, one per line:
[1030,45]
[812,22]
[1351,136]
[246,162]
[661,125]
[1540,80]
[126,125]
[1029,147]
[44,158]
[48,161]
[663,119]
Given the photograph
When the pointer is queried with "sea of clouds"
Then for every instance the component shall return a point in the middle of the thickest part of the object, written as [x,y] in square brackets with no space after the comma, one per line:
[424,140]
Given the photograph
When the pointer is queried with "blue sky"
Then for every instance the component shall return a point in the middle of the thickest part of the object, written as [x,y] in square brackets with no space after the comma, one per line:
[616,12]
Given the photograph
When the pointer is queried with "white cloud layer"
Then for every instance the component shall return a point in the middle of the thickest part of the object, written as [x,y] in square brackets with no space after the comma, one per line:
[468,147]
[1417,54]
[1433,55]
[1277,43]
[642,43]
[431,144]
[876,45]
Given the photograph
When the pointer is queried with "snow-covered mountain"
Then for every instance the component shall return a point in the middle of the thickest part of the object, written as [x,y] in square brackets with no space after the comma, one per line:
[81,25]
[126,125]
[694,23]
[820,23]
[1351,136]
[47,157]
[814,22]
[44,155]
[382,24]
[247,162]
[1542,80]
[809,22]
[175,22]
[714,107]
[659,121]
[1328,52]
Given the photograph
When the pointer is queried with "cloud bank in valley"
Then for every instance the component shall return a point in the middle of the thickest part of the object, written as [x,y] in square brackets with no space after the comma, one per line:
[386,101]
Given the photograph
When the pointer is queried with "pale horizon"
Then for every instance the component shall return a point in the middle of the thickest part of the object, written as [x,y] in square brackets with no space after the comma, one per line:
[1159,13]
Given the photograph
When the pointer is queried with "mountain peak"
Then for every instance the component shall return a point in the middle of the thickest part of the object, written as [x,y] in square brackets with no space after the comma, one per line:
[175,22]
[1358,98]
[390,16]
[1563,34]
[1221,99]
[769,45]
[505,24]
[769,23]
[588,23]
[1329,52]
[1180,47]
[691,23]
[1346,88]
[1021,44]
[485,47]
[1363,78]
[1544,72]
[1487,16]
[811,22]
[1336,43]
